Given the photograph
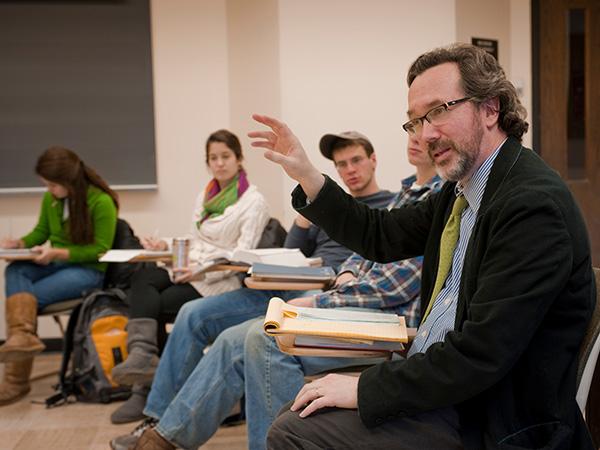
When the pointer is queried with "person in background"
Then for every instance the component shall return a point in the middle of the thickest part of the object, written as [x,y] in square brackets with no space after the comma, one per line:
[246,361]
[229,214]
[200,322]
[78,219]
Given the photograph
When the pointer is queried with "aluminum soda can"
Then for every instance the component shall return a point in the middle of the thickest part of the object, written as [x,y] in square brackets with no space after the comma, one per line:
[181,252]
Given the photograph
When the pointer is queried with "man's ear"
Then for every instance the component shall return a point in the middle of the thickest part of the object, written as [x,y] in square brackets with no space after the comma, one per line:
[373,158]
[491,110]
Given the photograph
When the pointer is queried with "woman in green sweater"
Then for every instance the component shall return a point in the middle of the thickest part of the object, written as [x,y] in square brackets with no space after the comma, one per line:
[78,218]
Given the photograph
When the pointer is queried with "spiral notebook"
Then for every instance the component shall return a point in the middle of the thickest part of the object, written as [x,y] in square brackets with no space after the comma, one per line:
[333,332]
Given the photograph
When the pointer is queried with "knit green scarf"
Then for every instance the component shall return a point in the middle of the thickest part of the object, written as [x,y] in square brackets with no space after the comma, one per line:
[215,203]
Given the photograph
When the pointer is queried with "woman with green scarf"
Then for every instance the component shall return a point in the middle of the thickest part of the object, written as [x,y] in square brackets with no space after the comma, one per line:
[230,214]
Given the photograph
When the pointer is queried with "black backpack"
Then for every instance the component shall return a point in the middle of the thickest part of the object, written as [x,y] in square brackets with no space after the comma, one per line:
[96,340]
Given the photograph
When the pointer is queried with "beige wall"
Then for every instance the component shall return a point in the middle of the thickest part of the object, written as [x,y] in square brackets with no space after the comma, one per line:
[343,66]
[254,85]
[321,65]
[508,21]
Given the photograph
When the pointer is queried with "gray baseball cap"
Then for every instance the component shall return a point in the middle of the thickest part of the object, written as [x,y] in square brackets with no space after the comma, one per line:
[329,141]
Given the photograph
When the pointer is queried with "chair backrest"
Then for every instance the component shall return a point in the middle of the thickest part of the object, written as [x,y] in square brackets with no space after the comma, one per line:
[119,274]
[588,353]
[273,235]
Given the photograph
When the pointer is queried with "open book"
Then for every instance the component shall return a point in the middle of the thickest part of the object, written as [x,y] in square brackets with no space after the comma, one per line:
[279,256]
[135,255]
[288,256]
[333,332]
[17,253]
[273,272]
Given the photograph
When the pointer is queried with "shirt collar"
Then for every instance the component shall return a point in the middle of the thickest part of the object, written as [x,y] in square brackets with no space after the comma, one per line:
[432,183]
[474,188]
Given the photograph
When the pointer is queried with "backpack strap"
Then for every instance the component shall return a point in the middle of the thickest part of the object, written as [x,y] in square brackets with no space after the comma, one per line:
[64,387]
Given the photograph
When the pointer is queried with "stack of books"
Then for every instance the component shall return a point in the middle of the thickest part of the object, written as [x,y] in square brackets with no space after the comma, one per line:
[334,332]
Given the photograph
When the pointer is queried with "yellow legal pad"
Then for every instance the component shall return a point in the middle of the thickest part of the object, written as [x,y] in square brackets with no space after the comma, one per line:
[334,332]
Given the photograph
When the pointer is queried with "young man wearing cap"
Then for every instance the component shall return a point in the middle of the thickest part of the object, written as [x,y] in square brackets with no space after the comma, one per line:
[243,359]
[355,161]
[199,322]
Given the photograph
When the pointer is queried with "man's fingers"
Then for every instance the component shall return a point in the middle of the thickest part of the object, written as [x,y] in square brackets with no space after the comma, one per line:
[318,403]
[276,157]
[267,135]
[263,144]
[311,408]
[303,397]
[308,393]
[268,121]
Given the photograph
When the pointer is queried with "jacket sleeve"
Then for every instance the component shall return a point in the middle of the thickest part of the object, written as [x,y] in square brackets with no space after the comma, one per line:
[376,234]
[104,220]
[302,238]
[518,280]
[41,232]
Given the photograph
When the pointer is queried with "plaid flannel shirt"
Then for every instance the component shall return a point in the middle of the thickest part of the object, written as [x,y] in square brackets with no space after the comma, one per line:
[393,287]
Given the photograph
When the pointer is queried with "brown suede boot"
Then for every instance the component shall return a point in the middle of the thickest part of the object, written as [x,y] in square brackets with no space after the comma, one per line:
[151,440]
[21,319]
[16,381]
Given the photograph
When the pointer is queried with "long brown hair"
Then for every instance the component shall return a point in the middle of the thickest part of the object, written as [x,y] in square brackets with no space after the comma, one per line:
[62,166]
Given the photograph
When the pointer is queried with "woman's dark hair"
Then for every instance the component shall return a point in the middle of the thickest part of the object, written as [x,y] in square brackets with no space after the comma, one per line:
[229,139]
[62,166]
[482,78]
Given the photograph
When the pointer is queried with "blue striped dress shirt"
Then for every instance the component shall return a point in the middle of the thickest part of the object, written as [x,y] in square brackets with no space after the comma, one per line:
[443,312]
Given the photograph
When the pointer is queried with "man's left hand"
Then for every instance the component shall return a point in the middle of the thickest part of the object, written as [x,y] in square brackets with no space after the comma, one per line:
[333,390]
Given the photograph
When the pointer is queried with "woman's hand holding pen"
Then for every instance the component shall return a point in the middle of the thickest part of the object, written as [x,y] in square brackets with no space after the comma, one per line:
[154,243]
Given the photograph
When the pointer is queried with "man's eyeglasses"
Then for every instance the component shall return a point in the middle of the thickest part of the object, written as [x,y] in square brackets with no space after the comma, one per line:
[434,116]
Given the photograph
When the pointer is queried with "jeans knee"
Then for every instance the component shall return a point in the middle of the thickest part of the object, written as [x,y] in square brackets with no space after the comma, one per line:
[14,269]
[14,273]
[186,319]
[256,339]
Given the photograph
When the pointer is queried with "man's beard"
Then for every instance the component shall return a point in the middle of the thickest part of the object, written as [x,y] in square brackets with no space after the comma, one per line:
[467,155]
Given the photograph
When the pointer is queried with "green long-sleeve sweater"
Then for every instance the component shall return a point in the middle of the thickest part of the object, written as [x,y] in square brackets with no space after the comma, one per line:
[52,227]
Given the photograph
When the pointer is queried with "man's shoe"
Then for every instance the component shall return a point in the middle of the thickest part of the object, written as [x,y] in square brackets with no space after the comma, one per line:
[128,441]
[151,440]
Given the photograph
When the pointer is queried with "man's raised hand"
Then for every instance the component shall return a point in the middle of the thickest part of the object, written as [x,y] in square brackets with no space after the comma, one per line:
[284,148]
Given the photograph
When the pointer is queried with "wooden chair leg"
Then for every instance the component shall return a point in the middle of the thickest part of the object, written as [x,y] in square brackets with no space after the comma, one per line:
[56,318]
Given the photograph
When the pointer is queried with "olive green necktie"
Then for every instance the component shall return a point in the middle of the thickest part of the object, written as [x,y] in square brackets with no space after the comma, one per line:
[447,246]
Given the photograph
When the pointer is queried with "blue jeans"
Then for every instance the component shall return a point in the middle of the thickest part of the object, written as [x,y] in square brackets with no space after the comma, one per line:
[188,388]
[273,378]
[53,283]
[242,359]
